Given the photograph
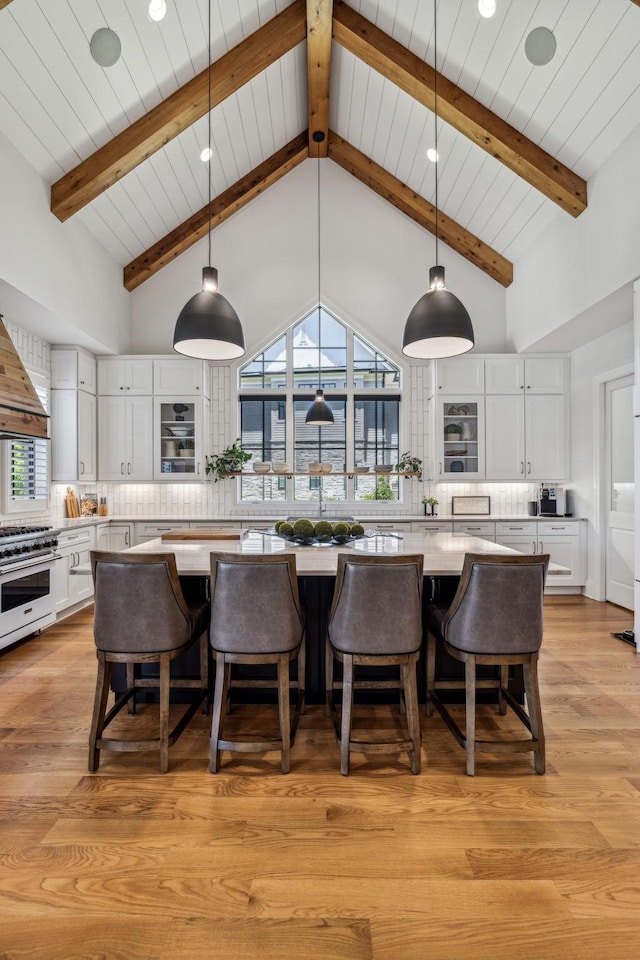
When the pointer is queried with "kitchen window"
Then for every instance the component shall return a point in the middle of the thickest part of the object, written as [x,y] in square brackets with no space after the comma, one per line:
[362,388]
[26,465]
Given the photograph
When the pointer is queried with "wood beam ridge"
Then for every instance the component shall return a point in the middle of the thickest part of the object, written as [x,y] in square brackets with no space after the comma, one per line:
[413,205]
[222,207]
[394,62]
[319,30]
[178,112]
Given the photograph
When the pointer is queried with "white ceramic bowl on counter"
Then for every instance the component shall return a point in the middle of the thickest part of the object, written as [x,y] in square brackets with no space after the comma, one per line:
[261,466]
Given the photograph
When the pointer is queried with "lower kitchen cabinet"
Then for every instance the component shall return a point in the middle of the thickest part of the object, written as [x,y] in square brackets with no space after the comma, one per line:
[114,536]
[431,526]
[74,548]
[563,541]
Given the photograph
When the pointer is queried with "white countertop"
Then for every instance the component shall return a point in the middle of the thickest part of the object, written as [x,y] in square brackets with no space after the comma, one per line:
[443,552]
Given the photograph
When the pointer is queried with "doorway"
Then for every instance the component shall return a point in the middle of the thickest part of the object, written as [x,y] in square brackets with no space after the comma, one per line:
[619,492]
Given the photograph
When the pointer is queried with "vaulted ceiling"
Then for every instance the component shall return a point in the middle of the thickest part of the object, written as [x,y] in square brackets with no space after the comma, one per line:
[291,79]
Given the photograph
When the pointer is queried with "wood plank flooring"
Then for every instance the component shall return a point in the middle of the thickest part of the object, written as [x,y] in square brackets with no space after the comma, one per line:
[381,865]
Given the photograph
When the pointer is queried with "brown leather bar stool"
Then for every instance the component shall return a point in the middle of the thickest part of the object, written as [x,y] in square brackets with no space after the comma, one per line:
[142,617]
[375,620]
[495,618]
[256,618]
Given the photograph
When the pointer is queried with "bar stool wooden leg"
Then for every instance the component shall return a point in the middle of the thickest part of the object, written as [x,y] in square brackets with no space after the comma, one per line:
[219,701]
[504,680]
[470,709]
[99,710]
[130,672]
[285,713]
[410,687]
[165,669]
[431,673]
[302,673]
[347,709]
[328,672]
[204,671]
[532,691]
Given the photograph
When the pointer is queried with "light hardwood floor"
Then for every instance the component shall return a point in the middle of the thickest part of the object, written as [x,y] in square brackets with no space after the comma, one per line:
[382,865]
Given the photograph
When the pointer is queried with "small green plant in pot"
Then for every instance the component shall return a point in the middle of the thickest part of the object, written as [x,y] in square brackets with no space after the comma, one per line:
[409,464]
[430,504]
[453,431]
[231,460]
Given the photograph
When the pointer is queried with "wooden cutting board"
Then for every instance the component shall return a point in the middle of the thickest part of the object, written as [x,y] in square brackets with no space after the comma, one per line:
[215,533]
[72,503]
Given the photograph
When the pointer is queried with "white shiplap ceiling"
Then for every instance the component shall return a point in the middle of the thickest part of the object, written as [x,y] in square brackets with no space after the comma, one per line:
[57,106]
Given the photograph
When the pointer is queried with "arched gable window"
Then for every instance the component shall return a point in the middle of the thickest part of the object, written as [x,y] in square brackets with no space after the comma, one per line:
[362,388]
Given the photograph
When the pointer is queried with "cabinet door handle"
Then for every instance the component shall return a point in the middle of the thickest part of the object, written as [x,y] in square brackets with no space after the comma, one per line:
[126,538]
[440,465]
[541,547]
[128,388]
[122,388]
[528,386]
[528,466]
[198,468]
[81,467]
[522,386]
[122,469]
[533,546]
[129,468]
[522,466]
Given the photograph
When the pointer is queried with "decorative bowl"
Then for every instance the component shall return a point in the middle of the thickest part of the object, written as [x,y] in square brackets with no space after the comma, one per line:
[326,467]
[260,466]
[361,468]
[383,468]
[180,431]
[281,468]
[315,468]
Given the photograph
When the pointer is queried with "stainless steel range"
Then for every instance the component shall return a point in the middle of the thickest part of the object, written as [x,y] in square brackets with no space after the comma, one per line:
[27,584]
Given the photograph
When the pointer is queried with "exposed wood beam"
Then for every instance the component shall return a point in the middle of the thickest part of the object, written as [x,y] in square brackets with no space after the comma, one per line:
[415,77]
[4,3]
[222,207]
[319,28]
[637,2]
[389,188]
[118,157]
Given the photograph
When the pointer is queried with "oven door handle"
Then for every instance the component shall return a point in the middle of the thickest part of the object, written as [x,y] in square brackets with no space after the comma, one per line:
[37,562]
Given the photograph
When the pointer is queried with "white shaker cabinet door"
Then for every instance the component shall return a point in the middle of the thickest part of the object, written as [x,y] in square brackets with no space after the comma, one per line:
[139,416]
[87,442]
[112,438]
[505,438]
[546,440]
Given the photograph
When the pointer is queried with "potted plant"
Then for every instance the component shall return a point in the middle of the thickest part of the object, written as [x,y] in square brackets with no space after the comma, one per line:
[453,431]
[430,504]
[231,460]
[409,464]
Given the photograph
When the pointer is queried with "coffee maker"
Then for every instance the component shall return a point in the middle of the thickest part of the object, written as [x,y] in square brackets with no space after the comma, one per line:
[552,501]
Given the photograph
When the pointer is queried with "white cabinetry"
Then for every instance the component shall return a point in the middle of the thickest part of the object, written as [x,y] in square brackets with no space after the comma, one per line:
[73,436]
[73,416]
[463,375]
[72,369]
[173,376]
[125,438]
[479,528]
[132,376]
[114,536]
[525,437]
[460,437]
[562,540]
[74,548]
[524,375]
[431,526]
[181,425]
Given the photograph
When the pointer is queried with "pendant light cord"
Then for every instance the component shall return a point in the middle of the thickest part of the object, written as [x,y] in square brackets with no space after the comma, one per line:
[209,124]
[435,108]
[319,287]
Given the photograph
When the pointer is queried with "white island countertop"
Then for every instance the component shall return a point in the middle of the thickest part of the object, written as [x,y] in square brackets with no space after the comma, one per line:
[443,552]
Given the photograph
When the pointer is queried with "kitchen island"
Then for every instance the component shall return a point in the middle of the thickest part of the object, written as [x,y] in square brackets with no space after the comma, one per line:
[316,567]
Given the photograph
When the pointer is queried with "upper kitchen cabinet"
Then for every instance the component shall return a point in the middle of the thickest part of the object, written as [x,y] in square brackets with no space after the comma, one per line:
[181,426]
[125,438]
[130,376]
[179,376]
[526,437]
[72,368]
[507,375]
[460,438]
[460,375]
[73,436]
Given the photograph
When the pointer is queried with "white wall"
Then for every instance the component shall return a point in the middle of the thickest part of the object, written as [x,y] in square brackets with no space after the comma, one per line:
[374,266]
[589,364]
[577,263]
[59,268]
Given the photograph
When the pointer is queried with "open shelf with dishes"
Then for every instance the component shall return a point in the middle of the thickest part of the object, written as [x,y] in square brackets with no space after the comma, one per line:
[179,433]
[460,432]
[319,473]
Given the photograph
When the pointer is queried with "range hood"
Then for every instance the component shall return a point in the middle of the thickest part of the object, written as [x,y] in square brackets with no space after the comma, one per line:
[22,416]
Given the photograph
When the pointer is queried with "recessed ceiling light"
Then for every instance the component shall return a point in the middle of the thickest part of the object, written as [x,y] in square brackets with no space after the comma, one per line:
[206,154]
[157,10]
[432,155]
[540,46]
[105,47]
[486,8]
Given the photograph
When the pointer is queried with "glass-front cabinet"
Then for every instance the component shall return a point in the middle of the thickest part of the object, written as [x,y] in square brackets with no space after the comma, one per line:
[180,428]
[460,438]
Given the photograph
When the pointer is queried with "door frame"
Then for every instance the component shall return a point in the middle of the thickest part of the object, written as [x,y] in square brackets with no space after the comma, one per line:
[597,557]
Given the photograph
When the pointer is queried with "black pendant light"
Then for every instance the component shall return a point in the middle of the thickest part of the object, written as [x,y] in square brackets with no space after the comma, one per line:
[208,327]
[319,413]
[439,325]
